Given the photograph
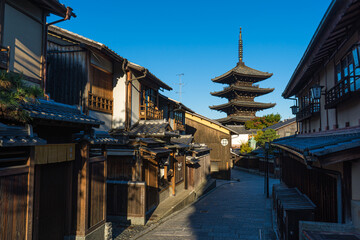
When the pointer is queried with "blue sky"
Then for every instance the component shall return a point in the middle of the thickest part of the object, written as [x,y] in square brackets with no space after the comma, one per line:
[200,39]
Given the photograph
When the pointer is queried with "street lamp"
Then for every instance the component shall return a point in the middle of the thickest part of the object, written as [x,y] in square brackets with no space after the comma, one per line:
[316,91]
[267,148]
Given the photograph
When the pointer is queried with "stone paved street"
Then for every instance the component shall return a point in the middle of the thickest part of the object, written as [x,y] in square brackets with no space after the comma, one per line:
[235,210]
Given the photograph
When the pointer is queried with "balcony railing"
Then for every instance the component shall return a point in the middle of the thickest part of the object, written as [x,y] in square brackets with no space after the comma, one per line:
[179,125]
[150,113]
[342,91]
[100,104]
[308,111]
[4,57]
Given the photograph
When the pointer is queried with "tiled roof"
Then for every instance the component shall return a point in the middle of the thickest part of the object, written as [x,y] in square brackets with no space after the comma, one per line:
[231,119]
[150,76]
[152,128]
[240,129]
[281,124]
[183,139]
[322,143]
[181,106]
[244,104]
[51,110]
[242,70]
[246,89]
[100,46]
[14,136]
[97,137]
[210,120]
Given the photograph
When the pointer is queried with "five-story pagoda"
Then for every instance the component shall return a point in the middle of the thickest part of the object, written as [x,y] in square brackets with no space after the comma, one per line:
[241,92]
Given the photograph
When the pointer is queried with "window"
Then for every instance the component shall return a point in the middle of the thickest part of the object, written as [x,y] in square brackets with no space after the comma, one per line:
[348,70]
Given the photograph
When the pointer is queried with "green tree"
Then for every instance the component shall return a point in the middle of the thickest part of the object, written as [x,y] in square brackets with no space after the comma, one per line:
[268,135]
[263,122]
[245,148]
[13,93]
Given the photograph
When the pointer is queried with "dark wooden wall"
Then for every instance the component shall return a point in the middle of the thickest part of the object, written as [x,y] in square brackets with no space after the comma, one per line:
[219,154]
[52,200]
[120,168]
[67,74]
[318,186]
[96,193]
[13,206]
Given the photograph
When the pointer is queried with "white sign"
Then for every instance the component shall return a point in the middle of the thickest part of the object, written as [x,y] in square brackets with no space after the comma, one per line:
[224,142]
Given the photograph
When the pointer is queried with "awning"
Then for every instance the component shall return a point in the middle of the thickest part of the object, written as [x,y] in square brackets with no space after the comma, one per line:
[322,145]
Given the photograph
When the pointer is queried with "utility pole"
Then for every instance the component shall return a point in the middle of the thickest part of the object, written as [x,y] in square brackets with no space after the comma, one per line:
[180,85]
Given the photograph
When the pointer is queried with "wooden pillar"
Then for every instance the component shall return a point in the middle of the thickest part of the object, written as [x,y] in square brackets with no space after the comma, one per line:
[30,195]
[173,178]
[128,102]
[105,185]
[83,185]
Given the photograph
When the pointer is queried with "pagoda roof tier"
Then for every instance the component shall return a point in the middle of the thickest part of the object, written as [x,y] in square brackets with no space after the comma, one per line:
[244,105]
[235,119]
[242,73]
[245,90]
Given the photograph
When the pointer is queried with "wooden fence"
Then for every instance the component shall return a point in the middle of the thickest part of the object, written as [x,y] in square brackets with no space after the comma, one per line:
[13,205]
[318,186]
[126,199]
[198,173]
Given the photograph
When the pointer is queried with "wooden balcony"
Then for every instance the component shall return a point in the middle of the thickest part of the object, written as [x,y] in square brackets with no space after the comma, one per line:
[342,91]
[150,113]
[4,57]
[179,126]
[308,111]
[100,104]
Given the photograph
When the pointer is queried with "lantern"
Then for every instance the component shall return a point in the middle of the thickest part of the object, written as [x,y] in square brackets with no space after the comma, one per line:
[316,91]
[294,109]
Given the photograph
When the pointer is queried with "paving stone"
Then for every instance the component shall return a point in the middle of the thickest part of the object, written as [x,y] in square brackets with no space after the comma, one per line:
[236,210]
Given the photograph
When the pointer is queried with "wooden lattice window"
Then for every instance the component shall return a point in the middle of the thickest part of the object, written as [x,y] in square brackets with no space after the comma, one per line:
[100,94]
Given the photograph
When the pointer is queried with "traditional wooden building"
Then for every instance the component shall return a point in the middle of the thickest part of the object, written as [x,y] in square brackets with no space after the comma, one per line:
[20,53]
[323,160]
[285,128]
[241,92]
[104,84]
[217,137]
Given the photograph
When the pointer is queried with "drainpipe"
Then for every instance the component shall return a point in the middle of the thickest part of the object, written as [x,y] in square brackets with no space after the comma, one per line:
[297,124]
[127,93]
[338,188]
[68,15]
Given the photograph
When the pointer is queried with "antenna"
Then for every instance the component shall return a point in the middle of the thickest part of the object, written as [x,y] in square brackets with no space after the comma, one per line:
[180,85]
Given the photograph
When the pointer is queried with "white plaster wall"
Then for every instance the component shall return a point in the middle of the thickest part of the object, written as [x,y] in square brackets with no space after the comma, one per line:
[238,140]
[348,111]
[135,97]
[355,180]
[119,98]
[330,79]
[105,117]
[24,36]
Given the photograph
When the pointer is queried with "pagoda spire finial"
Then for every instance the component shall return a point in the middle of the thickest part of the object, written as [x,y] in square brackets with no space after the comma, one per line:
[240,48]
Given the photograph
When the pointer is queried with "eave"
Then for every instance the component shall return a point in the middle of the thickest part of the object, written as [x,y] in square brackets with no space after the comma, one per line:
[53,6]
[332,32]
[243,89]
[252,106]
[242,73]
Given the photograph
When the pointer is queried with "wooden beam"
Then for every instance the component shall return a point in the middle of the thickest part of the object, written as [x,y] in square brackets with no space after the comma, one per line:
[30,195]
[2,16]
